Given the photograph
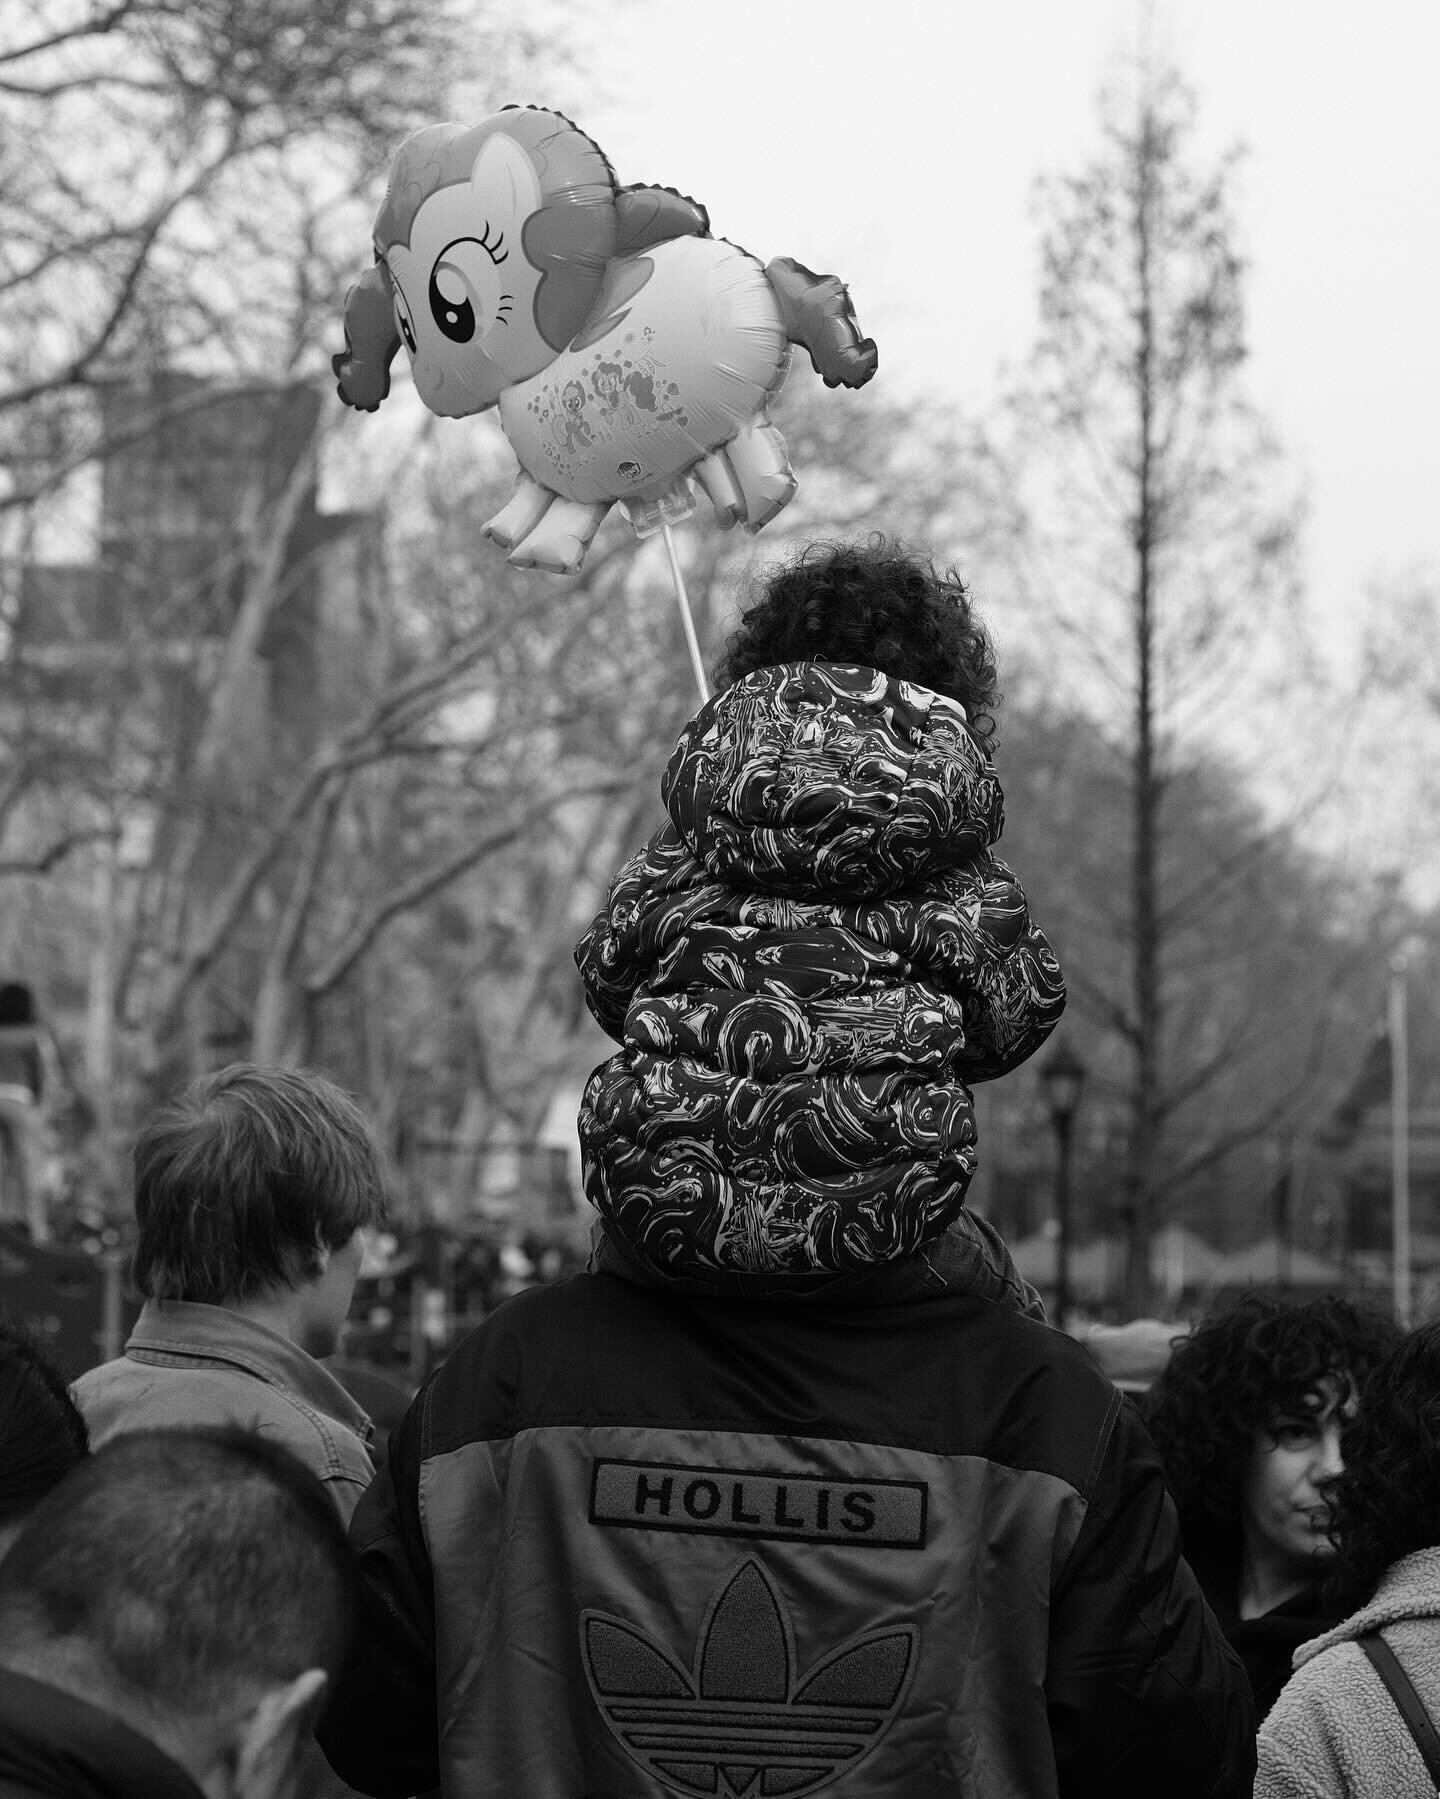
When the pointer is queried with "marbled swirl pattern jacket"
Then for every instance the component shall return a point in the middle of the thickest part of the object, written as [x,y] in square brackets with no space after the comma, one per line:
[805,968]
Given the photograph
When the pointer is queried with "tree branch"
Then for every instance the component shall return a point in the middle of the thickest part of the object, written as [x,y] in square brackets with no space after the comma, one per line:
[430,881]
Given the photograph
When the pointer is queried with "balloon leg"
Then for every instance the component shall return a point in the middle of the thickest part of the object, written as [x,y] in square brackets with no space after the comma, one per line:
[558,542]
[717,481]
[691,641]
[521,513]
[761,466]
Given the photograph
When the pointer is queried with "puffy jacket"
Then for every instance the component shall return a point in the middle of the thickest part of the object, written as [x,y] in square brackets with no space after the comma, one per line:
[806,966]
[1335,1731]
[632,1544]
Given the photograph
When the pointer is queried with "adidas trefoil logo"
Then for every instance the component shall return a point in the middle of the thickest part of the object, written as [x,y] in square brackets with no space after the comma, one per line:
[740,1723]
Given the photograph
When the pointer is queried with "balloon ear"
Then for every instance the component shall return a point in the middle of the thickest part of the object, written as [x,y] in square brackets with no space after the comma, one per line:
[371,340]
[655,215]
[503,183]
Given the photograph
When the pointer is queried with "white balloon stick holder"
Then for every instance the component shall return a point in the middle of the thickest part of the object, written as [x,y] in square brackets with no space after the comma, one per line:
[654,516]
[691,641]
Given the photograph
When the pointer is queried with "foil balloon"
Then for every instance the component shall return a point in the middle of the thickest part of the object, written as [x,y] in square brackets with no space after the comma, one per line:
[631,355]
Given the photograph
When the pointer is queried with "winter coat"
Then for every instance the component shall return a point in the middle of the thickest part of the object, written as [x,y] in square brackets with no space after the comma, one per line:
[1335,1732]
[631,1542]
[1265,1644]
[189,1364]
[54,1745]
[806,967]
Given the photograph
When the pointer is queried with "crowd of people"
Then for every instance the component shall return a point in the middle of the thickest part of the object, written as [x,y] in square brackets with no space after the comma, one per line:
[794,1489]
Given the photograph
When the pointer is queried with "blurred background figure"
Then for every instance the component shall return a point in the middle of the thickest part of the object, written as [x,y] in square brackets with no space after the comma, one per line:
[1335,1732]
[1134,1355]
[42,1434]
[1247,1417]
[22,1131]
[170,1620]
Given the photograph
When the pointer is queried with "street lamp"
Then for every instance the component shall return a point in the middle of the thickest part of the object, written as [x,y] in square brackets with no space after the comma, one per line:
[1062,1075]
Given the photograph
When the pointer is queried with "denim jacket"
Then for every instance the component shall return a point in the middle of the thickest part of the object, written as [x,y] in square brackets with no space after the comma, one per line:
[187,1364]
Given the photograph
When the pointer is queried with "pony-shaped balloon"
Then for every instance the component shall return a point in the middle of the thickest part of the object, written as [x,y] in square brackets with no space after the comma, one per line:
[628,351]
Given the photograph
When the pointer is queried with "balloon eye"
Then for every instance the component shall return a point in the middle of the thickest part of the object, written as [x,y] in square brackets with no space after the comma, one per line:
[456,318]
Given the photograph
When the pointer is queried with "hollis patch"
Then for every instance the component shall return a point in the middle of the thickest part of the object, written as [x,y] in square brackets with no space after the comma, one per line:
[861,1514]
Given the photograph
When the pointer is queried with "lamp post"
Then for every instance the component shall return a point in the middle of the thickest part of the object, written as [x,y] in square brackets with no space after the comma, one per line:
[1062,1076]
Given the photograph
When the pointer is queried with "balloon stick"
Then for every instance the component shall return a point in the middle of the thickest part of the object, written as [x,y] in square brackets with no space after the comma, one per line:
[685,618]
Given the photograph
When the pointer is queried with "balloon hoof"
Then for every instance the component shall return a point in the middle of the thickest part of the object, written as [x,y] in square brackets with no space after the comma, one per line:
[549,561]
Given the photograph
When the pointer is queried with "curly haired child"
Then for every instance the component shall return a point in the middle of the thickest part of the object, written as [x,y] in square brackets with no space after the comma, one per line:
[811,962]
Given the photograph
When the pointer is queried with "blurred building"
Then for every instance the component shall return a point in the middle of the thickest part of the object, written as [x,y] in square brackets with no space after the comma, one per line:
[212,556]
[205,490]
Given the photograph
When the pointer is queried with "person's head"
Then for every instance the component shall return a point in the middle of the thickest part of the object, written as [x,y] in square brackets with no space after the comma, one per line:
[1387,1501]
[1248,1416]
[197,1586]
[254,1183]
[878,605]
[42,1434]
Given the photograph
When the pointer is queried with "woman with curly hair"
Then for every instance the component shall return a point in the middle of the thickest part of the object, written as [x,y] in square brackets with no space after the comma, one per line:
[1247,1417]
[1335,1733]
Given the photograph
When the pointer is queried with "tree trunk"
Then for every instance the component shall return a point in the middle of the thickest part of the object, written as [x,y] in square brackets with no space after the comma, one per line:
[1143,1166]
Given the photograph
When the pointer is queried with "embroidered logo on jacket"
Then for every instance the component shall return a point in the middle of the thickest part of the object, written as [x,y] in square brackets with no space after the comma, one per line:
[725,1502]
[740,1720]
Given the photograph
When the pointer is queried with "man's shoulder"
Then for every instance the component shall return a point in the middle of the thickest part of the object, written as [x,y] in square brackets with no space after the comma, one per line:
[145,1393]
[980,1332]
[131,1394]
[953,1375]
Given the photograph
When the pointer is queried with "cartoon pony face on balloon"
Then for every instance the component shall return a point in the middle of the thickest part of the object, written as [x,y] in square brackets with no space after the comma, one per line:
[490,249]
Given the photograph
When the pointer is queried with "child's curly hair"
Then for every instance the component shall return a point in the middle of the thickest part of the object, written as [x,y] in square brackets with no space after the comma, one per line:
[1387,1501]
[1259,1359]
[876,604]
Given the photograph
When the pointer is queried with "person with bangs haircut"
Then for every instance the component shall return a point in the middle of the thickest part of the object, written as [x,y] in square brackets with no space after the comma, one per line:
[1248,1417]
[252,1187]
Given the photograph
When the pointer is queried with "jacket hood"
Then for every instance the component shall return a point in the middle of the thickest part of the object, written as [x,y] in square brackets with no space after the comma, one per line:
[1409,1588]
[830,779]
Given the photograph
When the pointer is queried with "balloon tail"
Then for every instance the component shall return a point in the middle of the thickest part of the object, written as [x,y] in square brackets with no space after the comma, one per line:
[692,643]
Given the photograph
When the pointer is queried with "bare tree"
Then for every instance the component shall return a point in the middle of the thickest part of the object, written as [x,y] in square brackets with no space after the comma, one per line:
[1156,554]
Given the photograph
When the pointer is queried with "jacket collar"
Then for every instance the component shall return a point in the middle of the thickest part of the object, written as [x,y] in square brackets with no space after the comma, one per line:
[1409,1588]
[182,1327]
[53,1742]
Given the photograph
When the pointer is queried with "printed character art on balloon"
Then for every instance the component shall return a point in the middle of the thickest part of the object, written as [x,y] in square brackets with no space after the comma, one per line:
[570,429]
[629,353]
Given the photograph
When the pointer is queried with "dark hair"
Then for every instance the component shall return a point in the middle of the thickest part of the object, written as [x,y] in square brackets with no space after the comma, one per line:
[181,1568]
[240,1179]
[1387,1501]
[876,604]
[42,1434]
[1258,1359]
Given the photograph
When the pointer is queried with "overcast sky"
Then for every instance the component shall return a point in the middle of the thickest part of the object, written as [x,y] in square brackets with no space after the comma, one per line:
[897,144]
